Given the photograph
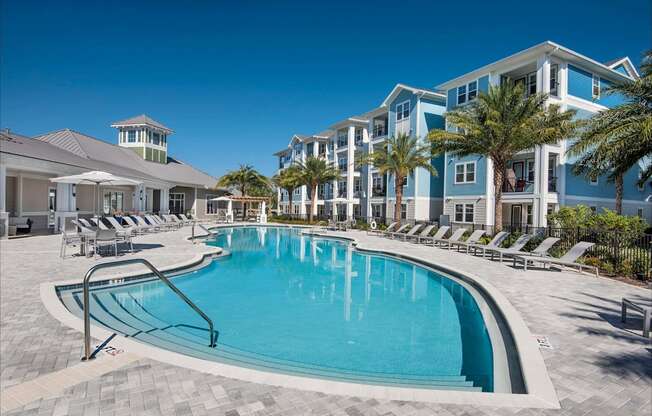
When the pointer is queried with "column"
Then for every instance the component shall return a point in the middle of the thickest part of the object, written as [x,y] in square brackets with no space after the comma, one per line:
[4,216]
[543,188]
[19,195]
[164,205]
[350,169]
[194,204]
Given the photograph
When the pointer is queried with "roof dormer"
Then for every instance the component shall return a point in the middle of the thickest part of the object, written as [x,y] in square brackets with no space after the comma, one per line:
[145,136]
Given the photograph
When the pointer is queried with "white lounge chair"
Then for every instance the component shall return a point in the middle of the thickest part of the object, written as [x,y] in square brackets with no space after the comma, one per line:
[567,260]
[515,248]
[452,239]
[495,242]
[123,234]
[68,239]
[424,233]
[138,229]
[439,234]
[149,226]
[185,220]
[474,238]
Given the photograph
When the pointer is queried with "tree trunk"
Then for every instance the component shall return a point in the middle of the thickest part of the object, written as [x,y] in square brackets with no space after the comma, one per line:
[398,187]
[290,192]
[499,177]
[313,199]
[619,194]
[244,204]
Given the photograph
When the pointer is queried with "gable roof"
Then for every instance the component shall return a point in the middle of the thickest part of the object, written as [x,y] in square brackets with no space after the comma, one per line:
[627,63]
[430,93]
[141,120]
[96,150]
[533,51]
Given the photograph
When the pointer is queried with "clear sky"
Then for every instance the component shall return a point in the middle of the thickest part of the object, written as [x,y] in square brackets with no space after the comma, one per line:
[236,79]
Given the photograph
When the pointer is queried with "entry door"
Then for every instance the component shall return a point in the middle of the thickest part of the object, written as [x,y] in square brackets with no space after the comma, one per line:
[518,170]
[52,205]
[516,215]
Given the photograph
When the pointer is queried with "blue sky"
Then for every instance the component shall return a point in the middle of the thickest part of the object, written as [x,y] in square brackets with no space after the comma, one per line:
[235,80]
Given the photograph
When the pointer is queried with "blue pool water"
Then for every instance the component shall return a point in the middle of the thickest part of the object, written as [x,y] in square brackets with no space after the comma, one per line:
[294,304]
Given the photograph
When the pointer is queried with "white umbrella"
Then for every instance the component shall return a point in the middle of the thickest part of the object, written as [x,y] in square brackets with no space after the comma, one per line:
[97,178]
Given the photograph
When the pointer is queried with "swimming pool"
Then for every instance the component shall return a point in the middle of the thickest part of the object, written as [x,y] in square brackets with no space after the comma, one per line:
[295,304]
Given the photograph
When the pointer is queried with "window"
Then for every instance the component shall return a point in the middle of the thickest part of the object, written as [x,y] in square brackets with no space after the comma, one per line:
[156,139]
[528,210]
[403,111]
[639,212]
[358,137]
[376,210]
[177,203]
[461,94]
[211,206]
[377,181]
[113,201]
[403,211]
[163,139]
[342,138]
[405,181]
[473,90]
[341,163]
[297,150]
[331,145]
[464,213]
[554,71]
[596,87]
[322,149]
[531,84]
[341,189]
[530,171]
[310,148]
[357,185]
[465,172]
[131,136]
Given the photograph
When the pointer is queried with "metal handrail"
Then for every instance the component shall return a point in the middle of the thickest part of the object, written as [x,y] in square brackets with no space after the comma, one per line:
[157,273]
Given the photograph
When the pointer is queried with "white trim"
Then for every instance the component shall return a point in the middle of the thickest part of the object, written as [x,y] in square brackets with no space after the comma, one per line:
[598,199]
[465,172]
[403,119]
[464,207]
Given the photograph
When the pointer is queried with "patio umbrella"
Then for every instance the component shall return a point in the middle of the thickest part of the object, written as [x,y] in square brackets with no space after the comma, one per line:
[96,178]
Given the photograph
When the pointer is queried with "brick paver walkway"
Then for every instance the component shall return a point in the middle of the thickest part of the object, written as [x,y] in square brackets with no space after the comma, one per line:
[597,366]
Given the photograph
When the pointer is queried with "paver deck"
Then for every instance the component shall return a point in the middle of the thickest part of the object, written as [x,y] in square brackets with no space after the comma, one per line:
[598,367]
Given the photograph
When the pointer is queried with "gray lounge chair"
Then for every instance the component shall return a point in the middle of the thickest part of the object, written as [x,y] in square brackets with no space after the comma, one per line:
[474,238]
[148,226]
[389,228]
[646,311]
[105,238]
[424,233]
[515,249]
[400,229]
[452,239]
[495,242]
[411,232]
[567,260]
[439,234]
[123,234]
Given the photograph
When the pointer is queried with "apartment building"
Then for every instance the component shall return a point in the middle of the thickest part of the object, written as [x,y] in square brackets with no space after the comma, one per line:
[538,181]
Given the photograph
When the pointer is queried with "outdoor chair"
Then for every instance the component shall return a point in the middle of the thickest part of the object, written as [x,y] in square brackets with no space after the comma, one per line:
[645,310]
[123,234]
[165,219]
[138,229]
[540,251]
[567,260]
[515,248]
[439,234]
[400,229]
[105,238]
[424,233]
[173,220]
[410,233]
[474,238]
[452,239]
[68,239]
[495,242]
[389,228]
[185,220]
[140,221]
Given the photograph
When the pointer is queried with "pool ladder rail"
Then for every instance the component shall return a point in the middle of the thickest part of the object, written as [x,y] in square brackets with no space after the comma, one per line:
[88,354]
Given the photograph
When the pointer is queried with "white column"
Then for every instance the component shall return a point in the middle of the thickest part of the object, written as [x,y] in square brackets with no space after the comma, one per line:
[350,169]
[543,74]
[4,216]
[164,205]
[543,187]
[19,195]
[194,205]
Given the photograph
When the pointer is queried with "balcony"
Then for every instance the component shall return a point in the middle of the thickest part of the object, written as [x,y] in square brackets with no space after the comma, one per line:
[341,193]
[521,185]
[378,192]
[378,132]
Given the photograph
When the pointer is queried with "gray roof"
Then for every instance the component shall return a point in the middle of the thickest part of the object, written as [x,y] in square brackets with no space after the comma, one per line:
[140,121]
[78,149]
[89,147]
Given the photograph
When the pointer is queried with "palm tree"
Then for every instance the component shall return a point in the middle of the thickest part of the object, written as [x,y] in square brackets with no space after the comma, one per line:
[498,125]
[314,172]
[616,139]
[399,157]
[288,179]
[244,179]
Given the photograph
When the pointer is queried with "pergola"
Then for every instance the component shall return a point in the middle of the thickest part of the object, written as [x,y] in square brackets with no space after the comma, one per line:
[260,212]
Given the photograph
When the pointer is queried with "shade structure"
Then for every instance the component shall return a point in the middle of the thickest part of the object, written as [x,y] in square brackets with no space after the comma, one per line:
[97,178]
[229,209]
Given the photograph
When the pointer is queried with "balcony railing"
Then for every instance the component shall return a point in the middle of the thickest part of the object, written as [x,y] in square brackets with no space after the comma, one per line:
[523,185]
[341,193]
[552,184]
[379,131]
[378,192]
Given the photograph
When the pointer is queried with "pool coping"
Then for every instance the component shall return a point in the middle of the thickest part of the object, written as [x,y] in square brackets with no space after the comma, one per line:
[540,391]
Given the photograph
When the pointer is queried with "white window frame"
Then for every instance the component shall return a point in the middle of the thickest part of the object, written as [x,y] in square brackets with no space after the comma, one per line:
[178,197]
[465,172]
[465,211]
[595,83]
[467,92]
[129,138]
[463,94]
[554,80]
[401,109]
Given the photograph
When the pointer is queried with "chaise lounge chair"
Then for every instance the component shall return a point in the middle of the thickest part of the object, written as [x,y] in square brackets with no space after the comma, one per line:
[400,229]
[516,248]
[404,236]
[452,239]
[389,228]
[495,243]
[567,260]
[439,234]
[473,239]
[424,233]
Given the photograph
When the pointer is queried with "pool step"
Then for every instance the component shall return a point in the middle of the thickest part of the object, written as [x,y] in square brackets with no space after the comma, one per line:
[142,325]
